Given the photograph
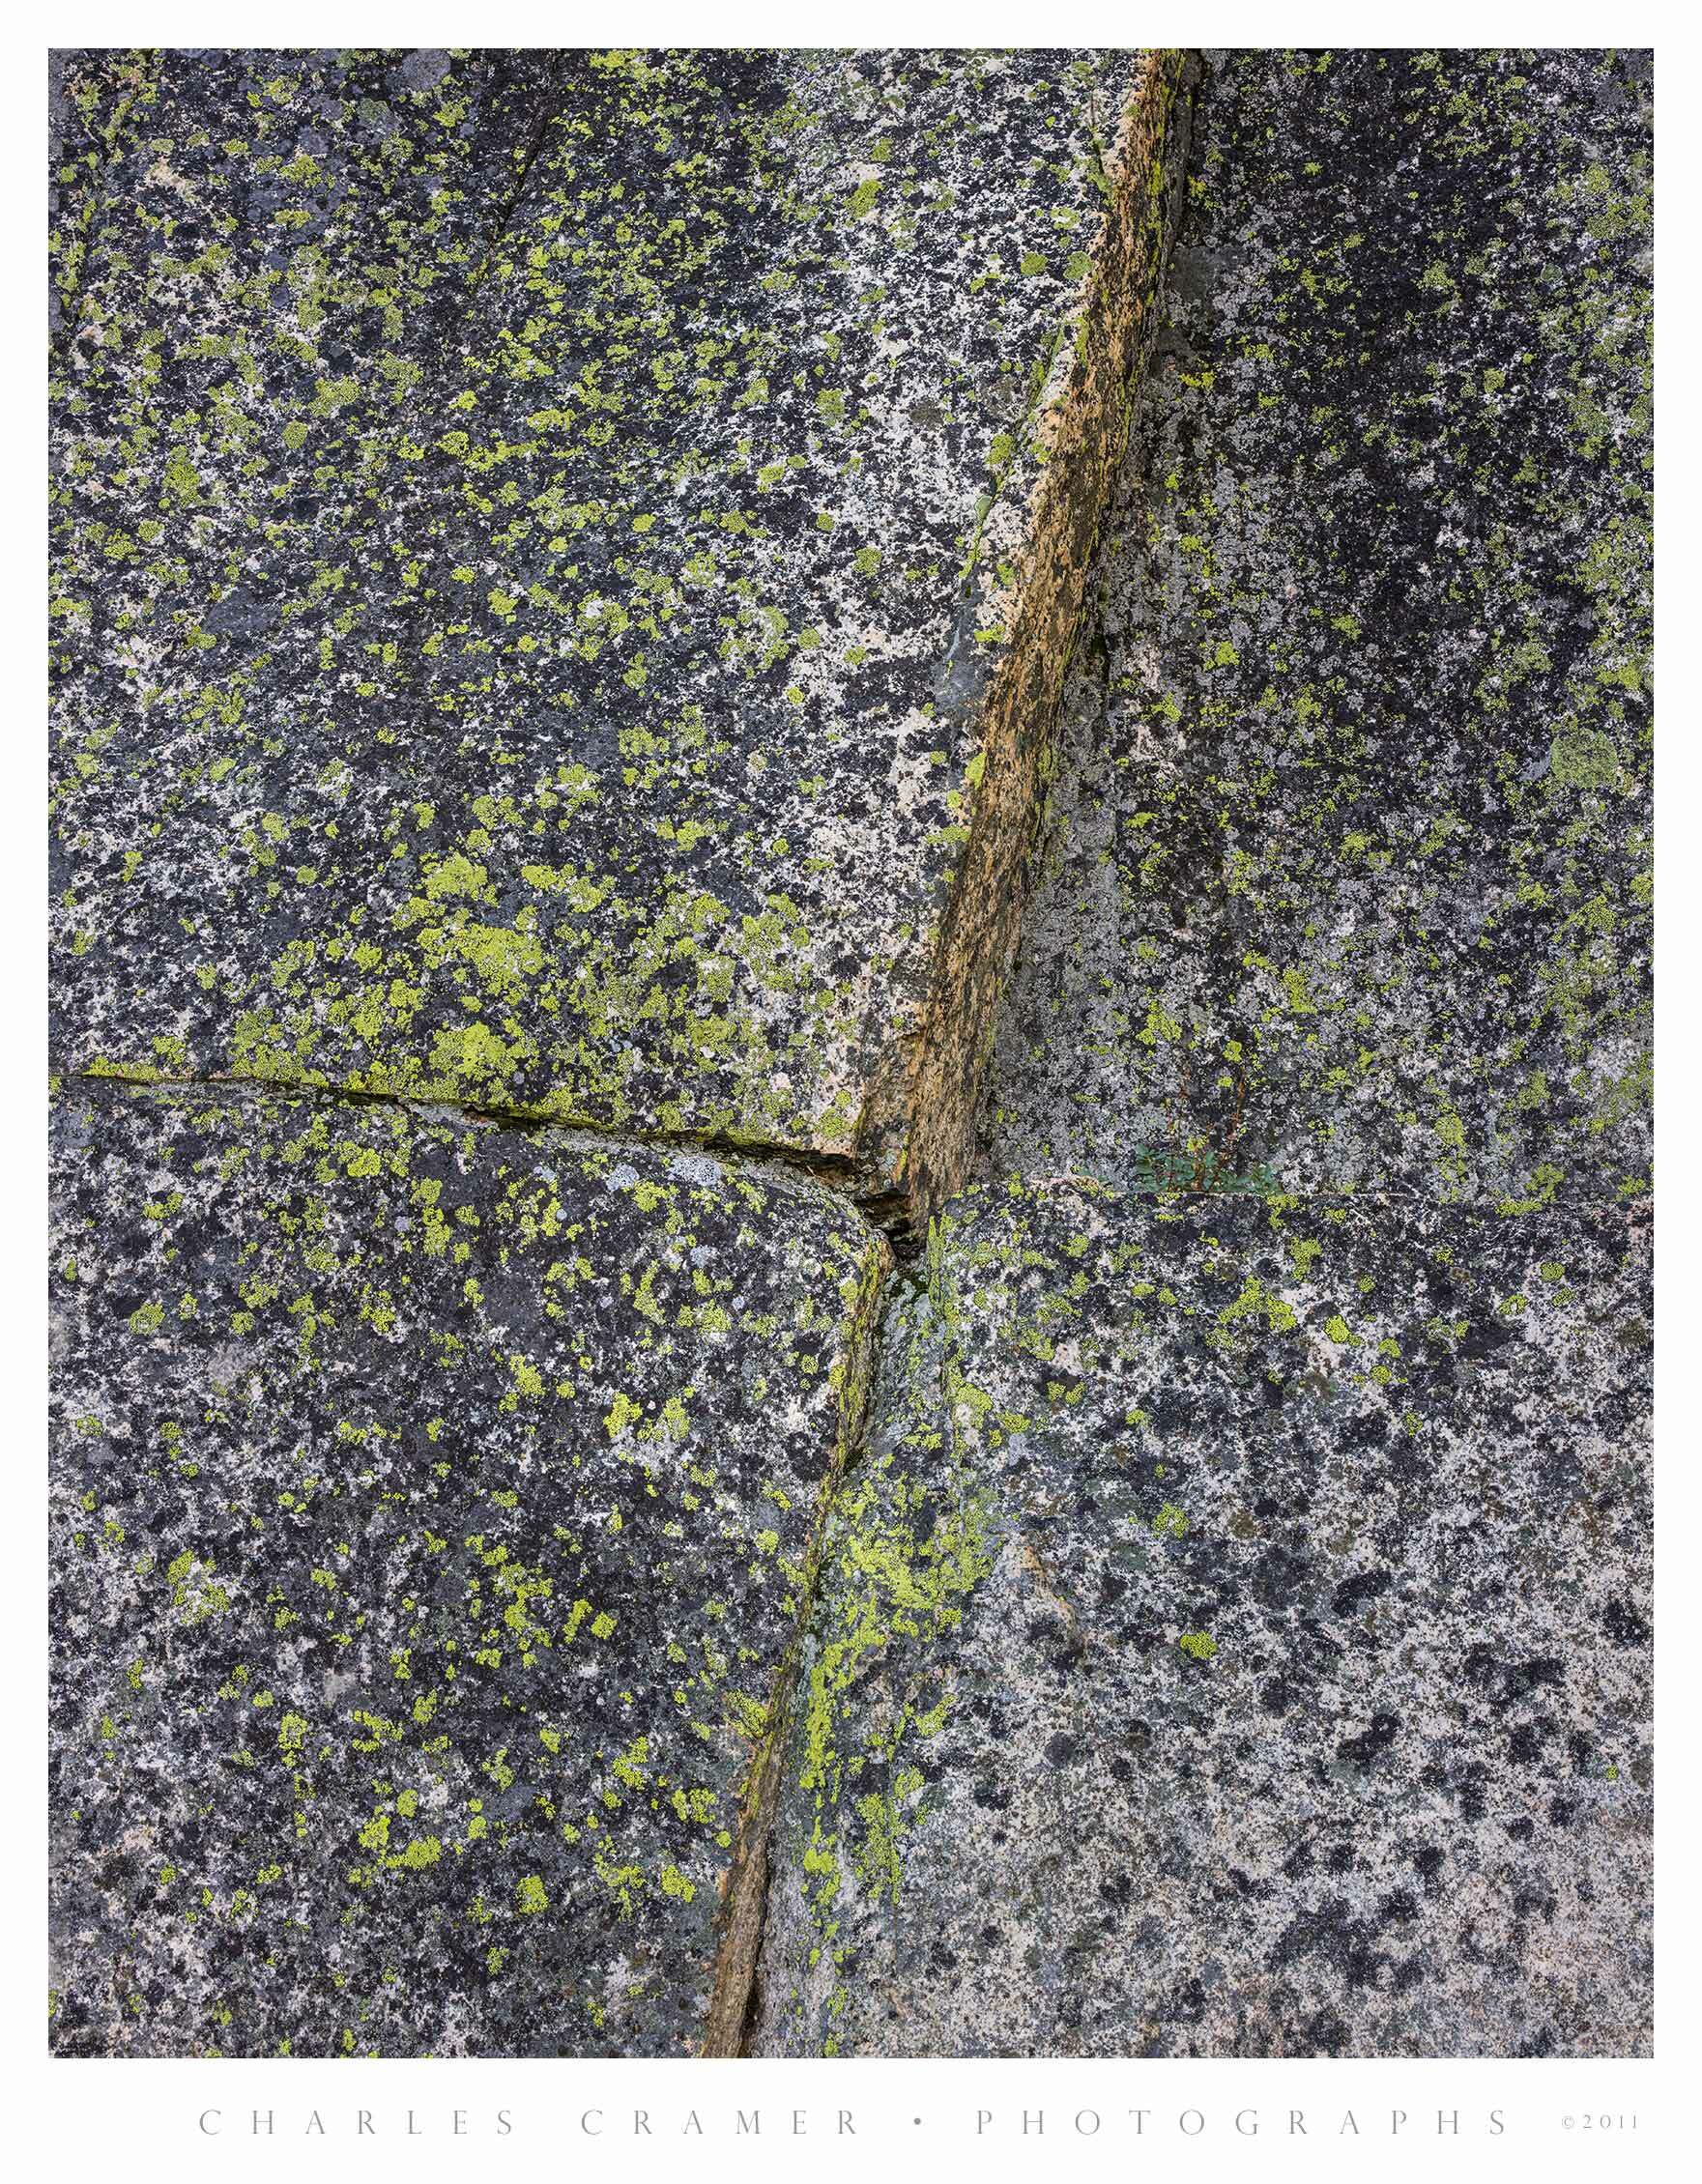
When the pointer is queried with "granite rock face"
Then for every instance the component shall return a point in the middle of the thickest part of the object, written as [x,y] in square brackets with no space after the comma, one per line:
[432,1507]
[1352,884]
[565,564]
[565,568]
[1235,1642]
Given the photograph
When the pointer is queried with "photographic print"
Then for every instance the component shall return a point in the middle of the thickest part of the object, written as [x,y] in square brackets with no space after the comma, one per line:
[850,998]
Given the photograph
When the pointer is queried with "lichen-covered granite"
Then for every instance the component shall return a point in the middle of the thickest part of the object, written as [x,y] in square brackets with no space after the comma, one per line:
[1351,883]
[564,565]
[1236,1639]
[1234,1642]
[431,1508]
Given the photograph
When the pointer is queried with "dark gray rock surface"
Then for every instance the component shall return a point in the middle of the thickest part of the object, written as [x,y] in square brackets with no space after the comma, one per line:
[1234,1642]
[554,550]
[431,1508]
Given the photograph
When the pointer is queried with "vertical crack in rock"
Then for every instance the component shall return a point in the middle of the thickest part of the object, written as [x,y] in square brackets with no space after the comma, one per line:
[970,649]
[932,1085]
[1236,1639]
[733,1996]
[498,1453]
[565,691]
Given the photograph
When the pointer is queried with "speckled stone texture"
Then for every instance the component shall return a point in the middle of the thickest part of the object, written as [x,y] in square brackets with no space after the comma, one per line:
[1235,1642]
[431,1507]
[1351,883]
[556,554]
[565,564]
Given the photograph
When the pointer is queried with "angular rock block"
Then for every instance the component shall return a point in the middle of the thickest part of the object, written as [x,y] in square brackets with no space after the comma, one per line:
[431,1507]
[1235,1642]
[1352,879]
[565,564]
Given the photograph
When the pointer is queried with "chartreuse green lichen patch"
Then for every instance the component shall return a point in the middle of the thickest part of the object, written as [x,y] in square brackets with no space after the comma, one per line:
[563,569]
[422,1595]
[1176,1660]
[515,535]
